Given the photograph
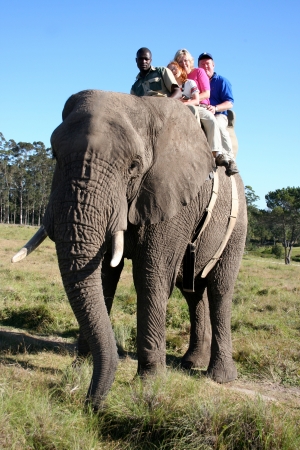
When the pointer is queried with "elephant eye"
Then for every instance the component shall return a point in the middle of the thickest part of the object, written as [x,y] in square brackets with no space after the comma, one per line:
[134,167]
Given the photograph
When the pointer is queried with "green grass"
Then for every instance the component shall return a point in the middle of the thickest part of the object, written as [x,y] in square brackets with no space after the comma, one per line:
[42,395]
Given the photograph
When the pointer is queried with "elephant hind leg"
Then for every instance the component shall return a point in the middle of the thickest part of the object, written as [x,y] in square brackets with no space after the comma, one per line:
[221,367]
[198,353]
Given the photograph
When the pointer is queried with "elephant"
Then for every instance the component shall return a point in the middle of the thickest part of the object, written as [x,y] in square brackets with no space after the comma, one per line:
[133,179]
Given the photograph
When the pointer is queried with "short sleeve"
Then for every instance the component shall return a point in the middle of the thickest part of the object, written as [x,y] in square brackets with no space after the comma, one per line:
[226,92]
[203,80]
[194,87]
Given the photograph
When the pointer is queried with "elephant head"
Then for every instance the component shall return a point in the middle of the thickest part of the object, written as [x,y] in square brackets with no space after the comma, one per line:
[119,158]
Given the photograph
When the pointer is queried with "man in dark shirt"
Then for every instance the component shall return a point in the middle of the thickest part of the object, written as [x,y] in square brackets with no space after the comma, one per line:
[158,81]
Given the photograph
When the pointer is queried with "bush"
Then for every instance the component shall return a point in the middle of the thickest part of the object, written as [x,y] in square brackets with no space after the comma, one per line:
[278,251]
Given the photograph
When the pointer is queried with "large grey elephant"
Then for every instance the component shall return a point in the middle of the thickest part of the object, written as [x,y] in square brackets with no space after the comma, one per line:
[141,166]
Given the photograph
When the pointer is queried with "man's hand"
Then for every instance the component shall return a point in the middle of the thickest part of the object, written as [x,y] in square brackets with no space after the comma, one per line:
[211,108]
[176,92]
[221,107]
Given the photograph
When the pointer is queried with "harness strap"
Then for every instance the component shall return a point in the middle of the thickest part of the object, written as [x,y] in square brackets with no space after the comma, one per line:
[230,227]
[188,281]
[209,209]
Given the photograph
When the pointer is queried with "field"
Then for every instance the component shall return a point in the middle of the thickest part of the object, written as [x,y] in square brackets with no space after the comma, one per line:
[42,394]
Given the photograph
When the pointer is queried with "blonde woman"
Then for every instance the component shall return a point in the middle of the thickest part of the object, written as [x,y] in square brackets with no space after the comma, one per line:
[208,120]
[186,61]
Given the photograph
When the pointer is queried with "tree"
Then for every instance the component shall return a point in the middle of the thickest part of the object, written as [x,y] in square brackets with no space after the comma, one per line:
[26,172]
[20,153]
[253,212]
[284,211]
[7,171]
[251,197]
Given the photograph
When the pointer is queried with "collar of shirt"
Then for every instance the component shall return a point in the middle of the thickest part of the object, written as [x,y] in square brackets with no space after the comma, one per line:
[150,70]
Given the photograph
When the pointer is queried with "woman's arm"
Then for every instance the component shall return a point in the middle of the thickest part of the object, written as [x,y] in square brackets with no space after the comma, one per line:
[204,95]
[203,83]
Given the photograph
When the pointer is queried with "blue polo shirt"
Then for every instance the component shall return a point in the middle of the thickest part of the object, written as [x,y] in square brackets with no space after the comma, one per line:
[220,91]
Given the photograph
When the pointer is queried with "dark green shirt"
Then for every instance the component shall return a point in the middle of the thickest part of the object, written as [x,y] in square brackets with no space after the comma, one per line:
[158,82]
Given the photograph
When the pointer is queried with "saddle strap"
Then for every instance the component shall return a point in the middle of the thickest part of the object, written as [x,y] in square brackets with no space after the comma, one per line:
[230,227]
[210,207]
[212,202]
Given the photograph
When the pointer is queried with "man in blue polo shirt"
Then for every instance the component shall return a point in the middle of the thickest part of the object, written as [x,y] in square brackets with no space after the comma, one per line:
[221,99]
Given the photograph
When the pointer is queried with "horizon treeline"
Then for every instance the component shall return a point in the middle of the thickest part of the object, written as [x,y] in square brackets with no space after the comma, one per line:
[26,172]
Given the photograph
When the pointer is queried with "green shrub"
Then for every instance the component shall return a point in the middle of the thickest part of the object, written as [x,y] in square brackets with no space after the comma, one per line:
[278,251]
[177,314]
[38,318]
[125,336]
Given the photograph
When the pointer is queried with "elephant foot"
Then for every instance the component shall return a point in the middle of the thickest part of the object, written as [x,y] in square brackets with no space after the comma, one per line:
[192,360]
[221,372]
[150,369]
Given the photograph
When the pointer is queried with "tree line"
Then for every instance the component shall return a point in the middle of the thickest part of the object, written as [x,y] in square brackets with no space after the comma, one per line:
[278,223]
[26,172]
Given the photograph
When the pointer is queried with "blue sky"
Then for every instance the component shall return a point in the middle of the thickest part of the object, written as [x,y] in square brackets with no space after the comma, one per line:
[52,49]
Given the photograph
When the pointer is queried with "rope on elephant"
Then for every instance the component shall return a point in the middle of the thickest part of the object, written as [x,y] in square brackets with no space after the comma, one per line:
[188,284]
[231,224]
[209,209]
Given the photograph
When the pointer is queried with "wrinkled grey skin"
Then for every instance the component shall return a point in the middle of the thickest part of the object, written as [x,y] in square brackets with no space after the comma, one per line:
[140,165]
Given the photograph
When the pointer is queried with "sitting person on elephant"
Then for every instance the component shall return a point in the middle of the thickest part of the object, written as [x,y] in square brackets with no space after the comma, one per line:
[189,88]
[221,100]
[203,112]
[153,81]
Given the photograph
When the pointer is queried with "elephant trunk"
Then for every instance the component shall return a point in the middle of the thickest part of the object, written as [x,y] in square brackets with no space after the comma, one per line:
[80,254]
[82,283]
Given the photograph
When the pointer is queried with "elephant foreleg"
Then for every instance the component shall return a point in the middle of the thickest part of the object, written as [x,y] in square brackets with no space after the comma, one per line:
[152,297]
[198,353]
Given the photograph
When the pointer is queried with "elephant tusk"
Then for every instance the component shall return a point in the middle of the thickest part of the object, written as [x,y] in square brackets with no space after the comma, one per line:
[117,248]
[31,245]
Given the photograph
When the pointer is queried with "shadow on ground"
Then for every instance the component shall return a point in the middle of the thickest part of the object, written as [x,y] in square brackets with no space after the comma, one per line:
[17,341]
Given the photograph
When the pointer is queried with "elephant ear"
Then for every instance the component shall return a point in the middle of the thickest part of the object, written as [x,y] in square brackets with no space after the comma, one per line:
[182,163]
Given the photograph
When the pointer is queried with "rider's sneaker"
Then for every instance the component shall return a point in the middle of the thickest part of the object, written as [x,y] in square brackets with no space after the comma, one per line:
[232,168]
[222,160]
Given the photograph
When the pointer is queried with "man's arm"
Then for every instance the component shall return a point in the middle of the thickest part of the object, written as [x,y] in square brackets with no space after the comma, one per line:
[224,97]
[221,107]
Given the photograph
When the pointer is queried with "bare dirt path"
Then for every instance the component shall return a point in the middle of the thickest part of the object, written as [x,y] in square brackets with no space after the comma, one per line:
[268,391]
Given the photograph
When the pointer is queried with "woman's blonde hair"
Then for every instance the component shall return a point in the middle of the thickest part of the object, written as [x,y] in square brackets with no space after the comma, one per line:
[183,75]
[184,52]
